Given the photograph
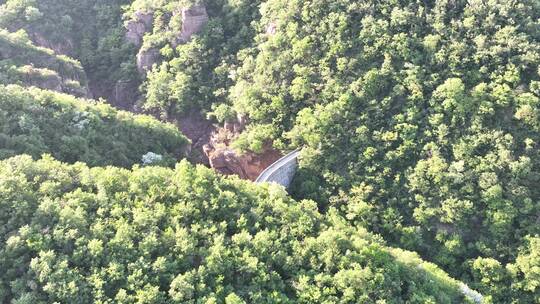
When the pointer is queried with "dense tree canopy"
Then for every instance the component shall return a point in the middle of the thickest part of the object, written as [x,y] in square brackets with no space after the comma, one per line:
[89,30]
[196,74]
[418,121]
[71,234]
[34,122]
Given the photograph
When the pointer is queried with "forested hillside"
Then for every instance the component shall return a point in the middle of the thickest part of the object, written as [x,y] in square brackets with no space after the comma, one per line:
[37,122]
[21,62]
[90,31]
[155,235]
[417,120]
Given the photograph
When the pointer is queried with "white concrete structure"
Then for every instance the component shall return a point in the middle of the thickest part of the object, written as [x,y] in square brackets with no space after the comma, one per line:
[282,171]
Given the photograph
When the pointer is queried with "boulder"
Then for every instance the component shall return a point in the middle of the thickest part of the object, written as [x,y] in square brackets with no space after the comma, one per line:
[227,162]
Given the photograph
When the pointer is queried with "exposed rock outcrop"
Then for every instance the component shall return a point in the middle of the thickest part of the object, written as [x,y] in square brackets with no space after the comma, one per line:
[211,146]
[247,166]
[223,158]
[193,21]
[237,126]
[138,26]
[146,59]
[199,130]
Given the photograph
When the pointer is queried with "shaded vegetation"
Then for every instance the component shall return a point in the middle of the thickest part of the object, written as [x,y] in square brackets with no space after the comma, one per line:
[23,63]
[90,31]
[35,122]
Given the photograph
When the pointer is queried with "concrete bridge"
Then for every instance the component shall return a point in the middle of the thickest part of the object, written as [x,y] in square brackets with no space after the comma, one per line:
[282,171]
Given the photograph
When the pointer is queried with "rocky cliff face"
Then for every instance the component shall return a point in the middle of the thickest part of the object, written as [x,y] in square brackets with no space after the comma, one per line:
[50,80]
[136,28]
[146,58]
[211,146]
[66,47]
[125,94]
[193,21]
[223,158]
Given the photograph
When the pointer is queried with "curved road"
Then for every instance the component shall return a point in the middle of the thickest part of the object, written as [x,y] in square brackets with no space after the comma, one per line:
[272,173]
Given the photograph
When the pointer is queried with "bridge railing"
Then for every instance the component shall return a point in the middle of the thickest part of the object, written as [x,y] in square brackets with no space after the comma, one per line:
[282,171]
